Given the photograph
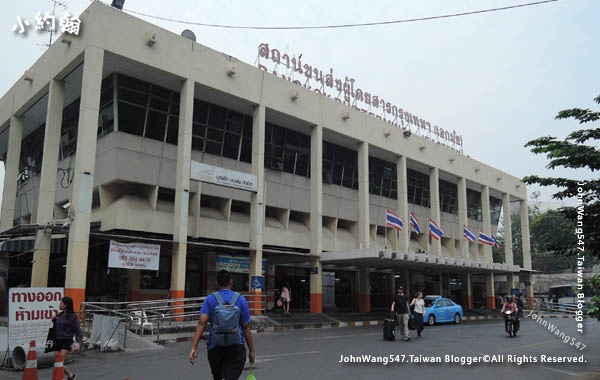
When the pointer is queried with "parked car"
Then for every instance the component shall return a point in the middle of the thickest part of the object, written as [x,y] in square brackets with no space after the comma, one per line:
[440,309]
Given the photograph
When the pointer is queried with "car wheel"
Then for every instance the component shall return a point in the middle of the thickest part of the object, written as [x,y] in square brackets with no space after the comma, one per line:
[456,319]
[431,320]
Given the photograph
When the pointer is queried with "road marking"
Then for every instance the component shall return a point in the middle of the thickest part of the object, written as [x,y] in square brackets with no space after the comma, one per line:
[339,336]
[290,354]
[558,370]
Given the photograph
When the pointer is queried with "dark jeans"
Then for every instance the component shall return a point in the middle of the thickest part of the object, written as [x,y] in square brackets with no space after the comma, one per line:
[419,323]
[227,362]
[516,322]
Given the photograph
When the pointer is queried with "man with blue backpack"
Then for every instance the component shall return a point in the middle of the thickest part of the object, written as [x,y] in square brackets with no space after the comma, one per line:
[227,312]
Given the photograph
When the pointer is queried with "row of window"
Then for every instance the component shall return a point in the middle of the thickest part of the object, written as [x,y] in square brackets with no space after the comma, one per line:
[151,111]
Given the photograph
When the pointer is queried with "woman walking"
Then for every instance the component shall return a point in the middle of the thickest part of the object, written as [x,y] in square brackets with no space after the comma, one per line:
[67,327]
[286,298]
[420,311]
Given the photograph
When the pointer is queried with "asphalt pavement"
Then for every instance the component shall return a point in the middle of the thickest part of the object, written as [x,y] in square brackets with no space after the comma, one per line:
[316,354]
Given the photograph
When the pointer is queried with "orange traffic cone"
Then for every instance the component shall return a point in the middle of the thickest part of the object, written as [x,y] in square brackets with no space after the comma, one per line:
[59,371]
[31,365]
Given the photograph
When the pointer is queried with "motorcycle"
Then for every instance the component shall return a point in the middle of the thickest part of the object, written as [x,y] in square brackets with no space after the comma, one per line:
[511,323]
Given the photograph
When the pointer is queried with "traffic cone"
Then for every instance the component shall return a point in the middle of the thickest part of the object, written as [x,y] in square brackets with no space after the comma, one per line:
[31,365]
[59,371]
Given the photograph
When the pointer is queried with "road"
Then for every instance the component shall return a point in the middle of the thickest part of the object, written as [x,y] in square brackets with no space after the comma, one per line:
[315,354]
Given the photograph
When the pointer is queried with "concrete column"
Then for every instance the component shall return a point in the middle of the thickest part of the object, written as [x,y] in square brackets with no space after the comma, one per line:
[11,172]
[434,195]
[467,291]
[487,222]
[257,212]
[508,252]
[490,295]
[45,208]
[529,289]
[83,180]
[182,193]
[316,217]
[392,284]
[405,282]
[363,196]
[364,286]
[441,293]
[510,282]
[401,177]
[525,234]
[463,219]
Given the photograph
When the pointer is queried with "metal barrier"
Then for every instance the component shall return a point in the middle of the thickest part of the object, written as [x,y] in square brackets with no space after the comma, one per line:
[136,314]
[555,308]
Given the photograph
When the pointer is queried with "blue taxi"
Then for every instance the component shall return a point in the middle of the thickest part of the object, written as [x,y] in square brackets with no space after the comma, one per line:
[440,309]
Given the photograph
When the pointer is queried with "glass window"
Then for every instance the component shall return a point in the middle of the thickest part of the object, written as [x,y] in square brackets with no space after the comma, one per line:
[156,125]
[131,118]
[216,117]
[474,204]
[173,130]
[200,111]
[133,97]
[418,188]
[231,146]
[132,83]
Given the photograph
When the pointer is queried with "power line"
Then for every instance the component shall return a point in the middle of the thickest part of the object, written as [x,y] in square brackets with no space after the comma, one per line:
[342,25]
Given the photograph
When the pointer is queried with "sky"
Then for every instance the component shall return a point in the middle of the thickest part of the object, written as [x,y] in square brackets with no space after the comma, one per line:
[498,78]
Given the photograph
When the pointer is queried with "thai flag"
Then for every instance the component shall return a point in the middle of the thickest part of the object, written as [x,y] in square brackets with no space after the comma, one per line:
[434,230]
[485,239]
[496,242]
[468,234]
[414,222]
[393,220]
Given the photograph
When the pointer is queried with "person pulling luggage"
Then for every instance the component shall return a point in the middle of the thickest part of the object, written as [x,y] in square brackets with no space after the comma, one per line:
[400,305]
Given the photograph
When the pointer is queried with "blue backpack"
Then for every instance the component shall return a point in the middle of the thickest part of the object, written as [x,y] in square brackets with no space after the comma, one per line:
[225,323]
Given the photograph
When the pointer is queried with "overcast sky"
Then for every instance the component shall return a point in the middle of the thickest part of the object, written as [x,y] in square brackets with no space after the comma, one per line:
[496,78]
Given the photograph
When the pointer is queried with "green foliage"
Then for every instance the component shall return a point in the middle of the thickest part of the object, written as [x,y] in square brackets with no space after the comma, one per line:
[552,231]
[591,288]
[579,150]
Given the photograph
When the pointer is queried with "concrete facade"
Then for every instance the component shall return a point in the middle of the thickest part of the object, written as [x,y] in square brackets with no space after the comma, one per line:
[124,182]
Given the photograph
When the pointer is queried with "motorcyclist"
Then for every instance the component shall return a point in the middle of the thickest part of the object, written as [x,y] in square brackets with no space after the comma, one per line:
[511,305]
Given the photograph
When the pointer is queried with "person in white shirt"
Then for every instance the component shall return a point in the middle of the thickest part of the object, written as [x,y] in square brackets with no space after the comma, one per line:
[420,311]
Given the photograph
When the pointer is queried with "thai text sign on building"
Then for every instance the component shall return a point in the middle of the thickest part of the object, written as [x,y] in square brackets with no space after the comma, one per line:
[236,264]
[224,177]
[346,91]
[133,255]
[30,314]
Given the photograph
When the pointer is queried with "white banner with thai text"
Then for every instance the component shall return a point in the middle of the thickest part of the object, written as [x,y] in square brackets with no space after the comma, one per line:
[30,315]
[224,177]
[133,255]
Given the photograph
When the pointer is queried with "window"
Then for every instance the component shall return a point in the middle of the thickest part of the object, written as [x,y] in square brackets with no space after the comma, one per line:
[287,150]
[495,208]
[340,165]
[382,178]
[474,204]
[418,188]
[448,197]
[148,110]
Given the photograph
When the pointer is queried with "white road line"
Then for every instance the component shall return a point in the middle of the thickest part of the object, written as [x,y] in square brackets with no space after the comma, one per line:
[558,370]
[290,354]
[339,336]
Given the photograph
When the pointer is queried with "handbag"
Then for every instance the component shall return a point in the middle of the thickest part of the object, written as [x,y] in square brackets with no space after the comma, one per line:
[411,323]
[279,303]
[51,338]
[251,375]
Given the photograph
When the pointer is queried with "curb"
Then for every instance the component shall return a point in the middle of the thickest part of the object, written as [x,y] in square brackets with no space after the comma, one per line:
[310,326]
[560,316]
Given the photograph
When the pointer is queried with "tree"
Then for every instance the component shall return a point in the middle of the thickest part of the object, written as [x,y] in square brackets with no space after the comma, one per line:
[591,288]
[579,150]
[552,231]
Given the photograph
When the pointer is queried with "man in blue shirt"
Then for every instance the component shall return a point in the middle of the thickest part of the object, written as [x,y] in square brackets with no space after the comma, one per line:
[225,362]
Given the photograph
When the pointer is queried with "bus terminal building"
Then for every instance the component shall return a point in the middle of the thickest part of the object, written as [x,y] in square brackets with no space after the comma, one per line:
[108,138]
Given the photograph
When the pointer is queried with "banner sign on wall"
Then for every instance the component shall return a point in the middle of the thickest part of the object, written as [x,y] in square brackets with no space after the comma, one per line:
[237,264]
[224,177]
[30,314]
[133,255]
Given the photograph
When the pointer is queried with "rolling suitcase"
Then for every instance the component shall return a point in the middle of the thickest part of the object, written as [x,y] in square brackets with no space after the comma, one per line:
[389,326]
